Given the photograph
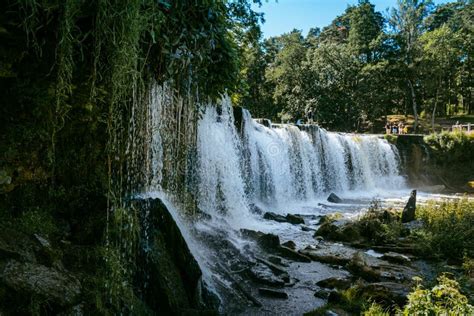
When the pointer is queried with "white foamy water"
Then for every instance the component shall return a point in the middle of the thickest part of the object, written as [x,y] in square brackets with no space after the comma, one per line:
[286,164]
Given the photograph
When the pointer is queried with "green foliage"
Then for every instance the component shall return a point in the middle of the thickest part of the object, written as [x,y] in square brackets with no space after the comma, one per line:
[37,222]
[379,226]
[443,299]
[362,67]
[451,147]
[375,310]
[448,228]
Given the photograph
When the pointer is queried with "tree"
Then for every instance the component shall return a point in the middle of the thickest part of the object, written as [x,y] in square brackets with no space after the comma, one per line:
[407,22]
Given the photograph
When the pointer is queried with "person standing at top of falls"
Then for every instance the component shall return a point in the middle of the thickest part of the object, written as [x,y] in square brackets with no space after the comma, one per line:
[400,128]
[387,128]
[394,129]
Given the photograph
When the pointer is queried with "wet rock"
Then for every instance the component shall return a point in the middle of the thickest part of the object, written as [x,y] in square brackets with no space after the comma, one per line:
[290,244]
[269,242]
[276,268]
[293,254]
[338,230]
[294,219]
[173,276]
[340,283]
[374,269]
[255,209]
[274,217]
[31,279]
[289,218]
[307,228]
[333,198]
[395,257]
[16,245]
[408,213]
[272,293]
[323,293]
[261,273]
[330,253]
[277,260]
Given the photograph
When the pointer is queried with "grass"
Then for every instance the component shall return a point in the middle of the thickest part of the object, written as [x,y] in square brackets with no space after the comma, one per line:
[449,229]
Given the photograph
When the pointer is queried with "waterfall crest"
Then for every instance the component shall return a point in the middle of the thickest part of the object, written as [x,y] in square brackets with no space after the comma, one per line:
[283,163]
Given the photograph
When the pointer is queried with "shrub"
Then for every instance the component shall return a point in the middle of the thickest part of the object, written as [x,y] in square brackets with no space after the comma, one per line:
[443,299]
[375,310]
[448,230]
[38,222]
[451,146]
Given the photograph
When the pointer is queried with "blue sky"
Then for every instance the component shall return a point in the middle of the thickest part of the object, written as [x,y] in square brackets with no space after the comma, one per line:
[285,15]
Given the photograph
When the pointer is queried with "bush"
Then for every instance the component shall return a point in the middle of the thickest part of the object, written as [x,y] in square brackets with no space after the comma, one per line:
[38,222]
[451,147]
[448,230]
[379,226]
[375,310]
[443,299]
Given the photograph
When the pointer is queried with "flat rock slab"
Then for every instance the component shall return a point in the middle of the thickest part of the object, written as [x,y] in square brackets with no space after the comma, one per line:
[34,279]
[261,273]
[272,293]
[332,253]
[375,269]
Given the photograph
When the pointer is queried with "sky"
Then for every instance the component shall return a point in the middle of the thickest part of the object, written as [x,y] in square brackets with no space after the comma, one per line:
[285,15]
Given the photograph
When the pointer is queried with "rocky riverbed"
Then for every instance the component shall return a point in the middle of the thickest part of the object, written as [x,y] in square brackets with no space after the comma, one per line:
[300,262]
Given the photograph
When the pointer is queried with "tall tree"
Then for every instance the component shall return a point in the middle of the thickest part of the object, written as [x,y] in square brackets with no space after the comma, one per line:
[407,21]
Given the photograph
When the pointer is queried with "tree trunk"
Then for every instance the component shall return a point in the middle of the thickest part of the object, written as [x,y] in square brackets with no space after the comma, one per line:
[415,107]
[434,110]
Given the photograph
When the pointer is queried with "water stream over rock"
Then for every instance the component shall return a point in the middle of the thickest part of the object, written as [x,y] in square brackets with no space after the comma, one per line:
[241,168]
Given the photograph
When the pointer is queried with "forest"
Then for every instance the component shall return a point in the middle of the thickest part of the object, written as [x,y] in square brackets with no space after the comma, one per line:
[150,163]
[415,59]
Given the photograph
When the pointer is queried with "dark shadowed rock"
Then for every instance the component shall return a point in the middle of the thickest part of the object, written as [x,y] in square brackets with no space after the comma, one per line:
[293,254]
[408,213]
[323,293]
[289,218]
[294,219]
[341,283]
[395,257]
[290,244]
[333,198]
[274,217]
[272,293]
[261,273]
[269,242]
[34,280]
[173,277]
[16,245]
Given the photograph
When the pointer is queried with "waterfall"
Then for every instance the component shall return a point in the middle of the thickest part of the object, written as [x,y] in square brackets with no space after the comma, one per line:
[203,160]
[283,163]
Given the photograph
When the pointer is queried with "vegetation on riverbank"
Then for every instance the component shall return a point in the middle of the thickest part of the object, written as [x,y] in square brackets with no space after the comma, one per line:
[442,235]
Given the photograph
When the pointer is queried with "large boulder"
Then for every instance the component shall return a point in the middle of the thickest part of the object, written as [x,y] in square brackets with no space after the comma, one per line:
[408,213]
[168,276]
[333,198]
[35,280]
[374,269]
[330,253]
[289,218]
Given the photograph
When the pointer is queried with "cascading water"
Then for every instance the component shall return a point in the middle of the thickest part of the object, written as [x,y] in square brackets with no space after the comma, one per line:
[230,170]
[284,163]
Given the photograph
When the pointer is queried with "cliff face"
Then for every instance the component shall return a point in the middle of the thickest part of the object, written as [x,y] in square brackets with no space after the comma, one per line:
[439,159]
